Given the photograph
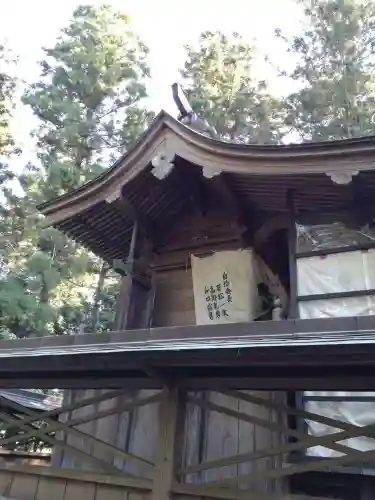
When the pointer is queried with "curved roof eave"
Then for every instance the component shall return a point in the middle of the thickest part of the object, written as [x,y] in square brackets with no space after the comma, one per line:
[166,134]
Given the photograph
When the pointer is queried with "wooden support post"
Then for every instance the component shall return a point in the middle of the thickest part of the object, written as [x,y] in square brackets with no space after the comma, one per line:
[135,301]
[292,242]
[170,439]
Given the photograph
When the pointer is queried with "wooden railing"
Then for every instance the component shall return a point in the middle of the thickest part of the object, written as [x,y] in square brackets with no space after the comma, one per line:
[118,468]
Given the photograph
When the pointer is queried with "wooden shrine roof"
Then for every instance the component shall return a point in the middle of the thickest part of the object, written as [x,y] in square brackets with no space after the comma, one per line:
[259,177]
[319,354]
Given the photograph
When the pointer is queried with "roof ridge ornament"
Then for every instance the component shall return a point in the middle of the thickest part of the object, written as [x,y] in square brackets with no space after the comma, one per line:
[342,177]
[189,118]
[187,115]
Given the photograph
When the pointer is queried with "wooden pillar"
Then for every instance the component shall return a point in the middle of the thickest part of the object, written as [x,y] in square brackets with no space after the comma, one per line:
[135,301]
[293,312]
[170,442]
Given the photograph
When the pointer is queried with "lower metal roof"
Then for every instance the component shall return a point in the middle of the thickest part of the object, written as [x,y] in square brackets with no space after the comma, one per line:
[30,399]
[196,343]
[319,354]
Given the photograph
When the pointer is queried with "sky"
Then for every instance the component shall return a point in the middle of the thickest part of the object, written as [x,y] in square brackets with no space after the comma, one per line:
[164,25]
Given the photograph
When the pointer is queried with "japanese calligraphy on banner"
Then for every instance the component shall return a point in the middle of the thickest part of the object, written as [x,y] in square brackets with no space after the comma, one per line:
[225,287]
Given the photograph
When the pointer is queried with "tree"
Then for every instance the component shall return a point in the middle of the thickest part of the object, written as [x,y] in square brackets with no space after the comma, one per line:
[7,90]
[89,103]
[218,80]
[7,149]
[335,70]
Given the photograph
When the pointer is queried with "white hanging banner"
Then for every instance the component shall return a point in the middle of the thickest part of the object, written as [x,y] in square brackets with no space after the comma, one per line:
[225,287]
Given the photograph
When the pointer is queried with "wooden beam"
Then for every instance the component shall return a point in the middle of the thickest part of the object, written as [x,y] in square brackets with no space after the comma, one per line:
[131,267]
[123,205]
[226,195]
[247,457]
[193,185]
[74,406]
[299,412]
[158,375]
[314,465]
[82,435]
[170,439]
[356,201]
[127,406]
[57,442]
[292,243]
[271,225]
[135,300]
[309,441]
[205,490]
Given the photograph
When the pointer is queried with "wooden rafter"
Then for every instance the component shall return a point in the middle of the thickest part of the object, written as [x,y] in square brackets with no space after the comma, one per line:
[123,205]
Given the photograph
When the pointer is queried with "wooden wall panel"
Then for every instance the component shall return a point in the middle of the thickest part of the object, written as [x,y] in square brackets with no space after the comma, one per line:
[255,437]
[174,300]
[194,429]
[24,487]
[6,479]
[44,483]
[123,433]
[88,428]
[143,437]
[58,452]
[64,458]
[104,492]
[106,428]
[211,435]
[221,437]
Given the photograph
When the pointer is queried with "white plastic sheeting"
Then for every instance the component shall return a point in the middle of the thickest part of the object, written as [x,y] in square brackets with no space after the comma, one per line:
[225,287]
[332,273]
[333,308]
[357,413]
[343,272]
